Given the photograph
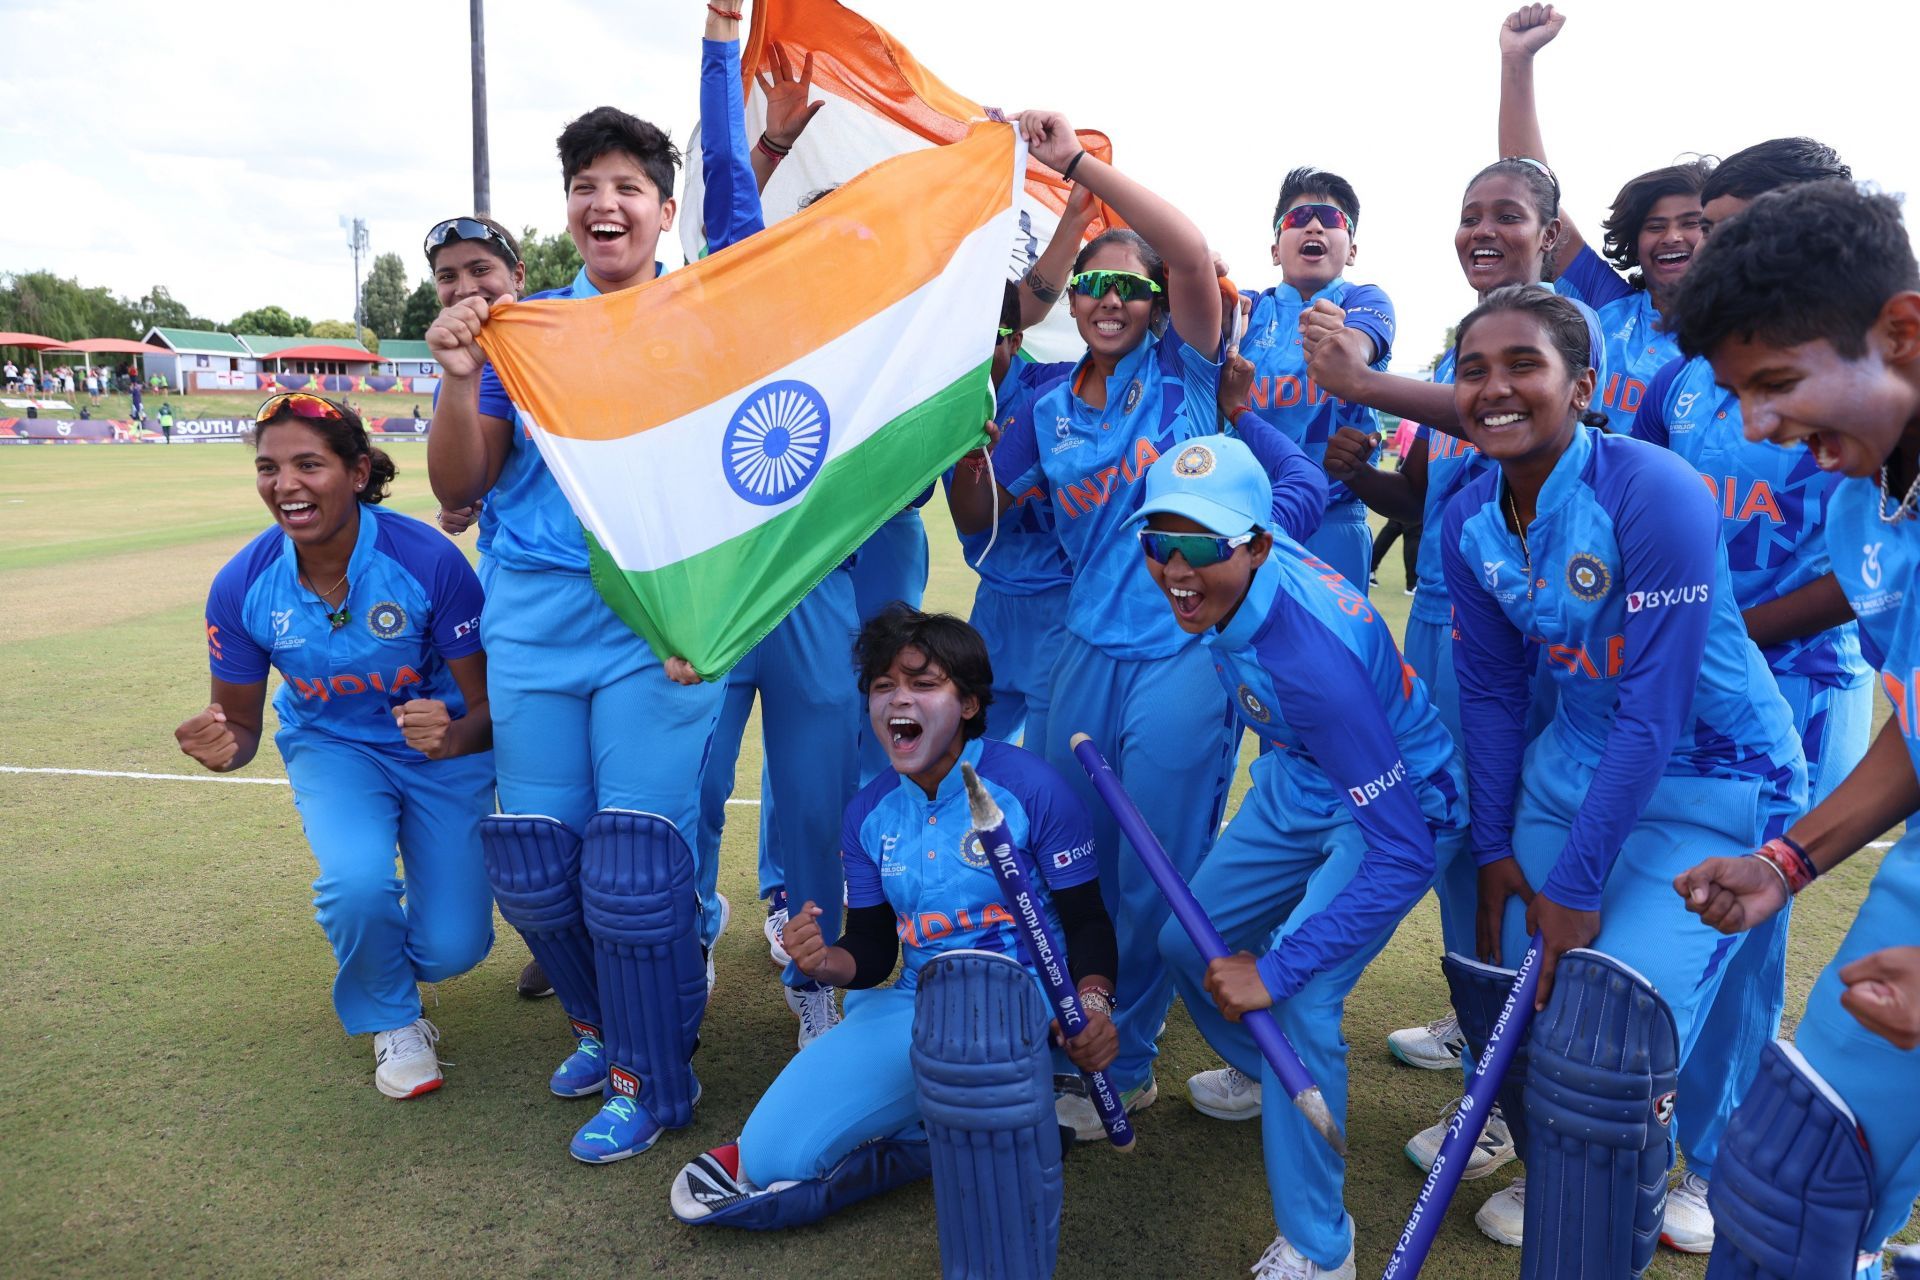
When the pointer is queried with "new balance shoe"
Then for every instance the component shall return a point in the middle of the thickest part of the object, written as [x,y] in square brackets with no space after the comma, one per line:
[776,921]
[532,983]
[1493,1148]
[816,1007]
[404,1063]
[585,1069]
[1688,1225]
[711,1185]
[1225,1094]
[1074,1109]
[1282,1261]
[1435,1047]
[1504,1216]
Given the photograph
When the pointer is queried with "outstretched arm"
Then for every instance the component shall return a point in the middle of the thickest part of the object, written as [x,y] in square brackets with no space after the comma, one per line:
[1527,30]
[1044,281]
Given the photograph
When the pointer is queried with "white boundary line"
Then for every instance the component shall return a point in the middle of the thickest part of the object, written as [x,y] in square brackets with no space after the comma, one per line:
[198,777]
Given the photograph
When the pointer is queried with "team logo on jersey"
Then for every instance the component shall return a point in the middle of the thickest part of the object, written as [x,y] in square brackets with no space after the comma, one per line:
[1194,460]
[1253,706]
[282,619]
[1265,340]
[1587,577]
[1683,403]
[1870,567]
[1133,397]
[1063,429]
[776,443]
[386,620]
[1492,569]
[973,851]
[1663,1109]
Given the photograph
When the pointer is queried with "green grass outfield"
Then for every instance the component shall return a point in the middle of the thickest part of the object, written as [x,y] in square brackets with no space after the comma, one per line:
[177,1098]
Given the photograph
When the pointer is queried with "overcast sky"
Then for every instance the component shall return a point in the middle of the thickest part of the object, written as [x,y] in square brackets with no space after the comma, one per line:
[212,147]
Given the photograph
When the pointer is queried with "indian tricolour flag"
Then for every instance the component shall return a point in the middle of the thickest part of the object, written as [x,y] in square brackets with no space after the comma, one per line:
[730,432]
[878,101]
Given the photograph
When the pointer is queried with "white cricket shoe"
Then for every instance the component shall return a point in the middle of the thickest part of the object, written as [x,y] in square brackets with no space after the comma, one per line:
[1493,1149]
[1074,1107]
[776,921]
[726,917]
[818,1011]
[1504,1216]
[1688,1226]
[1434,1047]
[1282,1261]
[1227,1093]
[404,1063]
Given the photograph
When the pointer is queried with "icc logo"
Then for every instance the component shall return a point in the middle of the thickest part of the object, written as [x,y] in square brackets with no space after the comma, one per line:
[1492,569]
[282,619]
[1683,404]
[1870,570]
[776,443]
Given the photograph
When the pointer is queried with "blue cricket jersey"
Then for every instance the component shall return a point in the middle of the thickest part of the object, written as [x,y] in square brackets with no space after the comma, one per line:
[412,602]
[1284,395]
[1878,566]
[533,526]
[1636,347]
[1452,463]
[1027,557]
[915,854]
[1773,509]
[1313,669]
[1623,583]
[1089,463]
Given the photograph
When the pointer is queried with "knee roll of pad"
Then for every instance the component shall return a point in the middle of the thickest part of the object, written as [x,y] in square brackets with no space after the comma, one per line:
[1792,1192]
[533,864]
[1479,995]
[985,1085]
[1603,1061]
[636,880]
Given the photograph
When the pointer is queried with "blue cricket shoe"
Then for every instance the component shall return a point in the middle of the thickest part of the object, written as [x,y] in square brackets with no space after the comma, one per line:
[585,1070]
[623,1128]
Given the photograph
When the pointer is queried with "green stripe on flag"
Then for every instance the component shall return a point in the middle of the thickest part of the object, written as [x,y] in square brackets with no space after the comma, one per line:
[711,608]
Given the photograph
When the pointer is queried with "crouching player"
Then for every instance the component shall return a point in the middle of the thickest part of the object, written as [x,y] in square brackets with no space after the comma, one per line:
[842,1122]
[1335,841]
[1821,1163]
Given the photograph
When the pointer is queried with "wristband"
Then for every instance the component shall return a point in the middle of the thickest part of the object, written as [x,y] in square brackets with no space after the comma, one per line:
[773,150]
[732,15]
[1790,860]
[1066,174]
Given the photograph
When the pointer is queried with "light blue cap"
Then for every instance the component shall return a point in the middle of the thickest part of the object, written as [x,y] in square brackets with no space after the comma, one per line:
[1214,481]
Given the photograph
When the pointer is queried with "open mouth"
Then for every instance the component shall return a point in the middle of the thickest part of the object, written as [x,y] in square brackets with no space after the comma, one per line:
[605,232]
[1486,258]
[1313,251]
[1186,604]
[1673,261]
[904,733]
[297,515]
[1110,328]
[1825,455]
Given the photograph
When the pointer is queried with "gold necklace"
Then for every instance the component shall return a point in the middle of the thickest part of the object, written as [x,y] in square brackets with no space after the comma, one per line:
[1520,528]
[338,618]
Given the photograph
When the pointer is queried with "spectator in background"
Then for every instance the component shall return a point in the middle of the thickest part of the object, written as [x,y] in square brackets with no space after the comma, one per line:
[13,376]
[93,385]
[166,421]
[1407,532]
[66,378]
[28,380]
[139,409]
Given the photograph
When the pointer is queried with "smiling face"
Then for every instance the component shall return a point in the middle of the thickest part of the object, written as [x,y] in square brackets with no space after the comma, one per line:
[311,491]
[1501,240]
[1312,257]
[916,712]
[470,269]
[615,215]
[1850,413]
[1111,328]
[1668,239]
[1514,391]
[1204,598]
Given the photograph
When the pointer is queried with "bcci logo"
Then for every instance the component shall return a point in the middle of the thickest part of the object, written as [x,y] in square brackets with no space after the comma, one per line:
[1194,460]
[1587,577]
[776,443]
[1253,706]
[973,851]
[1133,397]
[386,620]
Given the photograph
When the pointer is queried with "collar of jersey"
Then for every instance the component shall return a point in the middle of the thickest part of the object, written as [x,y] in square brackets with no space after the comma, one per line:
[1563,479]
[1123,373]
[362,549]
[1247,619]
[951,787]
[1284,290]
[582,287]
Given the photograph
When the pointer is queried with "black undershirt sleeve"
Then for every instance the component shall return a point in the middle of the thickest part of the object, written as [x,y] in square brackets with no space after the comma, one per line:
[1090,942]
[873,943]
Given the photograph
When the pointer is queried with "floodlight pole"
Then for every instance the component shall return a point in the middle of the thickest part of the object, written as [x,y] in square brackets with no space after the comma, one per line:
[360,242]
[482,178]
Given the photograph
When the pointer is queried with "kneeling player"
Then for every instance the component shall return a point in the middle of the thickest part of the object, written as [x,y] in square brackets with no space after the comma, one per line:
[1336,840]
[842,1122]
[1821,1162]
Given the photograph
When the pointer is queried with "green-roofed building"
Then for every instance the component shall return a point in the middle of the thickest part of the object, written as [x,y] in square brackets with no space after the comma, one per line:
[410,357]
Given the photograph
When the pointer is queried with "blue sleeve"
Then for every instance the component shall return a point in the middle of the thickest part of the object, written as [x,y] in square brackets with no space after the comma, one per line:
[1016,459]
[1327,698]
[1650,419]
[1059,832]
[1490,667]
[493,397]
[1590,279]
[730,205]
[1299,483]
[1370,310]
[926,496]
[457,598]
[863,873]
[232,654]
[1201,378]
[1669,535]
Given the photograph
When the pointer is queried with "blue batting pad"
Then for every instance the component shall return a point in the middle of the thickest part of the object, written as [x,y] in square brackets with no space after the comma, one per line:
[1479,994]
[533,864]
[1603,1061]
[719,1199]
[636,881]
[1792,1192]
[985,1083]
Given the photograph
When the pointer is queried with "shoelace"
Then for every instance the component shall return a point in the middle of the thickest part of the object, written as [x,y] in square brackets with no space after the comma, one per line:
[817,1010]
[1444,1028]
[1281,1262]
[406,1041]
[1239,1081]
